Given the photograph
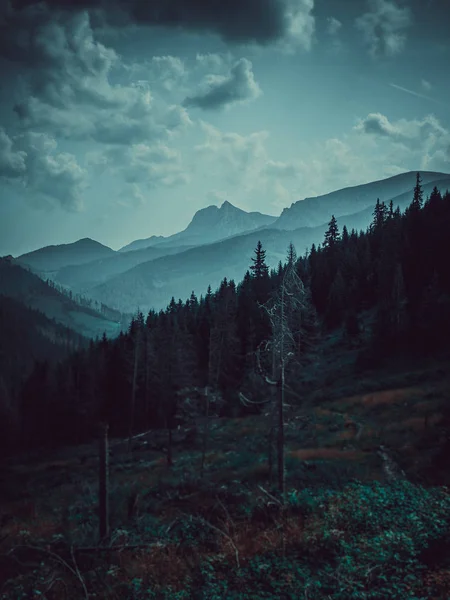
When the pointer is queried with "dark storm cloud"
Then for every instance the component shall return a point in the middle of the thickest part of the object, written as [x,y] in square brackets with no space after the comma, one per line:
[261,21]
[65,87]
[238,86]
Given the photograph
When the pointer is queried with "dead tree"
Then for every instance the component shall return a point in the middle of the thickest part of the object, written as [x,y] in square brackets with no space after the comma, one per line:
[103,487]
[283,312]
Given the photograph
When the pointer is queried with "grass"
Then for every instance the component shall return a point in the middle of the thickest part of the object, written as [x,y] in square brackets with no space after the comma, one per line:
[195,532]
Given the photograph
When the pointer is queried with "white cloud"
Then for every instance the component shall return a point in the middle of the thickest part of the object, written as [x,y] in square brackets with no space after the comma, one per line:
[416,141]
[301,26]
[231,155]
[220,91]
[384,27]
[403,130]
[426,85]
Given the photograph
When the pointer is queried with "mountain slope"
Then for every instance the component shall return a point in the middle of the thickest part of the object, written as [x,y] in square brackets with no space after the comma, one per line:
[26,287]
[82,277]
[152,284]
[53,258]
[311,212]
[27,335]
[361,219]
[142,243]
[209,225]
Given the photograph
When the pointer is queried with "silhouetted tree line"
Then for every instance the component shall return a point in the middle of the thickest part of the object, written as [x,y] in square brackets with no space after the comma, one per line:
[386,289]
[108,312]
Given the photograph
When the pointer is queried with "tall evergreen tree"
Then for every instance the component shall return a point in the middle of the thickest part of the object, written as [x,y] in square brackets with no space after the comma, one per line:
[332,234]
[259,267]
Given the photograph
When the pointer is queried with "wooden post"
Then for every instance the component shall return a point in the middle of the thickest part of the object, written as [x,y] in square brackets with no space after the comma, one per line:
[103,482]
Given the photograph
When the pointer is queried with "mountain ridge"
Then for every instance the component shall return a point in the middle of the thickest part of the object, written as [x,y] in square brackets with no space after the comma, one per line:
[343,201]
[53,257]
[209,224]
[152,284]
[29,289]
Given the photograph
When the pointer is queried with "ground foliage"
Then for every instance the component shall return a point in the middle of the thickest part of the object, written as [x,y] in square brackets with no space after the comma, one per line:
[370,368]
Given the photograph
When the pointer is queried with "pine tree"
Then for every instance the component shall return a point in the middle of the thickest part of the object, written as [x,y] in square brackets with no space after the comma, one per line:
[332,234]
[417,201]
[259,268]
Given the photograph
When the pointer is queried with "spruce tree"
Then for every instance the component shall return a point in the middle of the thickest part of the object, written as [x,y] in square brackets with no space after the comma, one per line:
[259,267]
[417,201]
[332,234]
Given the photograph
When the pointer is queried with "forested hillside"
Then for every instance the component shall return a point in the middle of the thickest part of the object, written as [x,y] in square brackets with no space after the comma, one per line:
[330,371]
[386,292]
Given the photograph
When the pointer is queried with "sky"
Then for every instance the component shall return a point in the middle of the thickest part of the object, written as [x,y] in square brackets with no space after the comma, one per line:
[120,119]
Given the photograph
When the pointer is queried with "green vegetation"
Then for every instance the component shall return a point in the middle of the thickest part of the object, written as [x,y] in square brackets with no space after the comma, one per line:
[355,359]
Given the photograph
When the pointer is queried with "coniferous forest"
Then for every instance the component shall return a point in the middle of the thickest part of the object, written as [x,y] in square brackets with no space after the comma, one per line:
[250,394]
[385,291]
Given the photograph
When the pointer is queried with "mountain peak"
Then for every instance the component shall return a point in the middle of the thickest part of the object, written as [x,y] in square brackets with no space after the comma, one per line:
[227,205]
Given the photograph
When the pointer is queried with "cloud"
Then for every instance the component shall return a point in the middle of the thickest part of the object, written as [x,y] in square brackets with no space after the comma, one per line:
[426,85]
[12,163]
[212,61]
[333,26]
[66,88]
[403,130]
[168,72]
[247,175]
[301,26]
[144,165]
[239,86]
[377,124]
[232,155]
[275,168]
[53,178]
[384,27]
[423,141]
[238,21]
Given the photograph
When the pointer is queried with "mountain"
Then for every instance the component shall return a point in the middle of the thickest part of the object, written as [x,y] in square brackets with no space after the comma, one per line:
[361,219]
[53,258]
[143,243]
[208,225]
[20,284]
[27,335]
[152,284]
[82,277]
[311,212]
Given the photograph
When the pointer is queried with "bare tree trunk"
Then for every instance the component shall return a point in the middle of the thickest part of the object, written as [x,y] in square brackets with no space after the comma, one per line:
[271,416]
[103,488]
[281,391]
[281,453]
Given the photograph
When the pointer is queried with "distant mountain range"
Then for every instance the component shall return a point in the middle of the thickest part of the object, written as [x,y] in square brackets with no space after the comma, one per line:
[53,258]
[218,243]
[208,225]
